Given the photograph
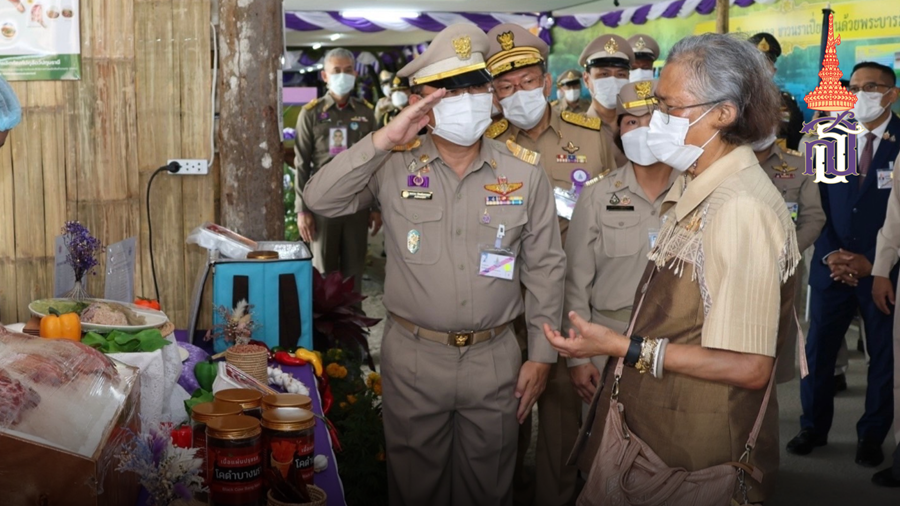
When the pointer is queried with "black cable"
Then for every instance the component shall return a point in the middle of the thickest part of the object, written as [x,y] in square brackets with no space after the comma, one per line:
[172,167]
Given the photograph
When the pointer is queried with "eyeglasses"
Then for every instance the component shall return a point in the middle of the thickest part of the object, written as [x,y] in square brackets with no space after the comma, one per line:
[667,111]
[475,89]
[868,88]
[506,89]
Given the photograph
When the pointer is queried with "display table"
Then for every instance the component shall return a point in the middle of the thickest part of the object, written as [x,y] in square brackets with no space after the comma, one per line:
[328,480]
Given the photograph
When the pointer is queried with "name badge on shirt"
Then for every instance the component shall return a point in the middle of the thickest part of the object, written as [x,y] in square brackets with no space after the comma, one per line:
[885,181]
[497,261]
[794,209]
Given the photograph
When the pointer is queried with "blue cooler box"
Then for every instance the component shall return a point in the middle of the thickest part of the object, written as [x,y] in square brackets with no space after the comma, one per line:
[280,291]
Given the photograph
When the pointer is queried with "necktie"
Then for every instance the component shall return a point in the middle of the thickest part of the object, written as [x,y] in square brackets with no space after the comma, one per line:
[866,159]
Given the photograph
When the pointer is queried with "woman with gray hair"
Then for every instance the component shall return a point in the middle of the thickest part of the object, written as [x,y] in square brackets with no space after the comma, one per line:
[716,294]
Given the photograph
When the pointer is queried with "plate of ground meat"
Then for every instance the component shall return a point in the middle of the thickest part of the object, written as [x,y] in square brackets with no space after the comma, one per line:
[102,315]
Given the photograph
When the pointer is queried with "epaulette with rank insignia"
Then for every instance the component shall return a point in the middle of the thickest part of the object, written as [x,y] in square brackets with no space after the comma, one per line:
[408,146]
[497,128]
[581,120]
[526,155]
[311,104]
[793,152]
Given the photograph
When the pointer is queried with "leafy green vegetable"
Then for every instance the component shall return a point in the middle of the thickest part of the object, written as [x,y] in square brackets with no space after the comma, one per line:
[198,397]
[119,341]
[61,305]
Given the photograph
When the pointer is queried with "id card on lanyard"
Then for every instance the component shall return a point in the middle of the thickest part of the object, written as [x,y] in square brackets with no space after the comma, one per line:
[497,261]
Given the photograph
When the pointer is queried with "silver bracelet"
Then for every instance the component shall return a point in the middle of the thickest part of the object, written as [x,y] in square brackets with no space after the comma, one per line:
[657,369]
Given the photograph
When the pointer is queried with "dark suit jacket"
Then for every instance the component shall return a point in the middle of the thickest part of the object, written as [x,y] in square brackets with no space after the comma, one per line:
[855,214]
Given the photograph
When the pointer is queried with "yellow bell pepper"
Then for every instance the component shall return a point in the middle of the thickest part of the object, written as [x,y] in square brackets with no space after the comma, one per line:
[61,326]
[312,358]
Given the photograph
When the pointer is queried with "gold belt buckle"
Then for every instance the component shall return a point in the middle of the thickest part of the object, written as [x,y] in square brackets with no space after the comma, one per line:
[460,339]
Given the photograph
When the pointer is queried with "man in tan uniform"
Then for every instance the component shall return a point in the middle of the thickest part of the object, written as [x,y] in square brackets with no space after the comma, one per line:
[399,99]
[568,93]
[570,154]
[801,195]
[607,62]
[383,105]
[468,221]
[615,225]
[326,127]
[646,51]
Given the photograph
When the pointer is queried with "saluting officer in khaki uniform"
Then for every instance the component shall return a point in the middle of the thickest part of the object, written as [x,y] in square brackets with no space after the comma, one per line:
[801,195]
[327,127]
[646,51]
[614,226]
[468,221]
[571,152]
[607,62]
[568,93]
[399,100]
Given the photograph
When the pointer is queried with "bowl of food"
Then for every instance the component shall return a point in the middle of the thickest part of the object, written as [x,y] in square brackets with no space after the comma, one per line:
[8,30]
[101,315]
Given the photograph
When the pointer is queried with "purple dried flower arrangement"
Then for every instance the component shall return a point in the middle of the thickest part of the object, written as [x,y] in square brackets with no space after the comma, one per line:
[81,248]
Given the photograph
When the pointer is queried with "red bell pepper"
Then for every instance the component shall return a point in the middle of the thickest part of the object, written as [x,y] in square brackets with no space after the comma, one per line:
[182,436]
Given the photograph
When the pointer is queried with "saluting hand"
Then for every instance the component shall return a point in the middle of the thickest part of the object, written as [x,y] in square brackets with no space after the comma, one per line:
[406,125]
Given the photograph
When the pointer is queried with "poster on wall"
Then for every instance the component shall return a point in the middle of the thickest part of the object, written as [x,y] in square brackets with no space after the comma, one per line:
[40,40]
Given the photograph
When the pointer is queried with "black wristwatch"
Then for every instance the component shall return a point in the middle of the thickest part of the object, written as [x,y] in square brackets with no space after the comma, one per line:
[634,351]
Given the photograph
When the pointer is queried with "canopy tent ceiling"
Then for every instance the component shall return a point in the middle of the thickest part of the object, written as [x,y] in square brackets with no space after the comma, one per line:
[352,37]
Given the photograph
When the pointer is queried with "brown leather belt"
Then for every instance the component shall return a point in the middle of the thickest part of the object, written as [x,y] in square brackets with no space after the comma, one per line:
[458,339]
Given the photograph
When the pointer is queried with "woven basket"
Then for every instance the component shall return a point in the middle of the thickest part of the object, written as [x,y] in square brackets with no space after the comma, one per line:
[253,364]
[315,493]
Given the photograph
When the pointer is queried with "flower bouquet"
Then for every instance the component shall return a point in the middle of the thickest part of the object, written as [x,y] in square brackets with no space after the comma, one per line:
[81,254]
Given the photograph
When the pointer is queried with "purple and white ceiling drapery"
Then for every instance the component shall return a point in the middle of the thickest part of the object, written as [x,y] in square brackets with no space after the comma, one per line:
[649,12]
[432,22]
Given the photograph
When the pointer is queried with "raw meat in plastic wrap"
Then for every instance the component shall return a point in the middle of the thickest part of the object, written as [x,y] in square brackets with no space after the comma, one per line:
[60,393]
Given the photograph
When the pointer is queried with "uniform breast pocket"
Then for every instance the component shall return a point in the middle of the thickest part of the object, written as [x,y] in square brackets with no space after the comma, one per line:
[561,174]
[622,234]
[419,232]
[513,218]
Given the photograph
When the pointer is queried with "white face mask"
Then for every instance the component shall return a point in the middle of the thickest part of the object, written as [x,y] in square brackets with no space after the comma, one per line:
[525,108]
[463,120]
[341,84]
[386,90]
[572,95]
[635,146]
[666,140]
[640,75]
[399,99]
[868,106]
[606,89]
[764,144]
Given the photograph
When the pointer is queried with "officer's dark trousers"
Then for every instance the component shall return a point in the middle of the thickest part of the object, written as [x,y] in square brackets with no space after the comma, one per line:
[831,311]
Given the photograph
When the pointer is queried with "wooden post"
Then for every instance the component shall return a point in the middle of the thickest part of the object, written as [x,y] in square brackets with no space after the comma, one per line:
[250,154]
[722,16]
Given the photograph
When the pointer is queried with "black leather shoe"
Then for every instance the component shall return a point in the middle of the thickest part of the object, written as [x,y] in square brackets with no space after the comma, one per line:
[840,383]
[804,442]
[885,478]
[869,454]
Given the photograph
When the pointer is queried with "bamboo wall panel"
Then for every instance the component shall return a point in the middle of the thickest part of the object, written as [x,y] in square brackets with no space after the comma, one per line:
[85,151]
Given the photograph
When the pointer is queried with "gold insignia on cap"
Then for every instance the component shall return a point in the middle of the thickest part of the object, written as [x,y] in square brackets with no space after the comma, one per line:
[506,40]
[640,44]
[611,47]
[643,89]
[463,47]
[763,45]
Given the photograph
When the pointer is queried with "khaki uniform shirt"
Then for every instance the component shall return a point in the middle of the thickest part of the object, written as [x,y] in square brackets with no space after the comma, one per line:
[582,106]
[887,245]
[316,143]
[800,193]
[606,251]
[434,242]
[609,131]
[569,143]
